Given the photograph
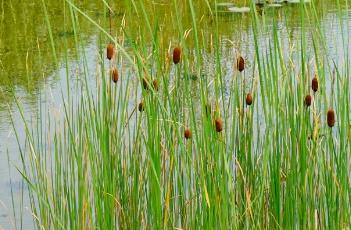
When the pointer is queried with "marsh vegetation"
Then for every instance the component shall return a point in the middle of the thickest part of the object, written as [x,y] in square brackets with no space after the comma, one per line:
[182,114]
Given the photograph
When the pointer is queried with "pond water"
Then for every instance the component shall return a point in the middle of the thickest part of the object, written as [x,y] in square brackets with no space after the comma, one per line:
[30,71]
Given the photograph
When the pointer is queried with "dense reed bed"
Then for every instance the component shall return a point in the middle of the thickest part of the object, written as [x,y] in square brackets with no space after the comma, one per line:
[160,143]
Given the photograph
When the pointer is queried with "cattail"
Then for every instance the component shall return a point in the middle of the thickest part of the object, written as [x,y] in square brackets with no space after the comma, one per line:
[155,84]
[249,99]
[177,52]
[141,106]
[219,125]
[110,51]
[187,133]
[331,118]
[240,63]
[308,100]
[315,84]
[145,83]
[114,75]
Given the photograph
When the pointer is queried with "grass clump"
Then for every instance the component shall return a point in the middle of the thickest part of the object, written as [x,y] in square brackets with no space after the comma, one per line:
[111,167]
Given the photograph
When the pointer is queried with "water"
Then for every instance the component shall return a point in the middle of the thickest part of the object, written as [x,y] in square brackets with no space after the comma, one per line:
[29,70]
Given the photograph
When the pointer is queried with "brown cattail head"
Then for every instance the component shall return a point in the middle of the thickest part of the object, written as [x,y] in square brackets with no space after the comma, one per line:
[331,118]
[114,75]
[155,84]
[145,83]
[219,124]
[187,133]
[141,106]
[177,53]
[249,99]
[240,64]
[315,84]
[308,100]
[109,51]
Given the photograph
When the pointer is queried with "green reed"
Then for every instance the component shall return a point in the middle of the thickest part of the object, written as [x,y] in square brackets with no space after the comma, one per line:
[276,164]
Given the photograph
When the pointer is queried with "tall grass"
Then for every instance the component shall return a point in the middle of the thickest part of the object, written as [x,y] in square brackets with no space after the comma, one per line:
[275,165]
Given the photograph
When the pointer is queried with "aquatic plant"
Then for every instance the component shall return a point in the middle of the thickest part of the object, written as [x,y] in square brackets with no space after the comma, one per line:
[177,52]
[155,84]
[249,99]
[187,133]
[114,74]
[315,84]
[274,167]
[141,106]
[218,125]
[331,118]
[240,63]
[145,83]
[308,100]
[109,51]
